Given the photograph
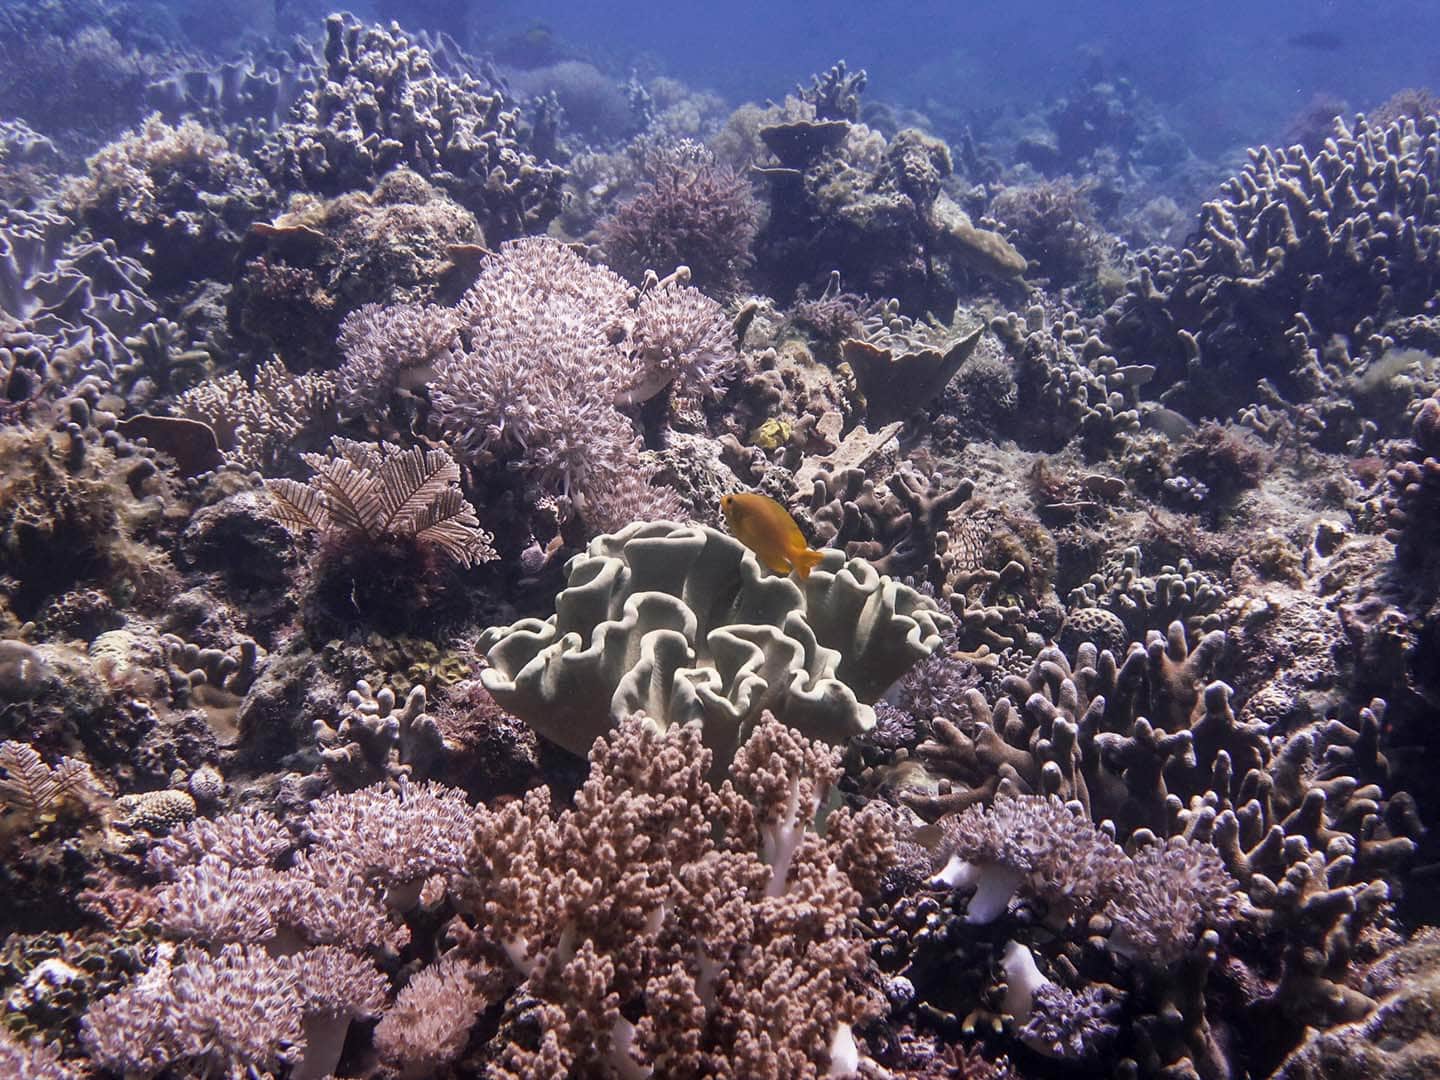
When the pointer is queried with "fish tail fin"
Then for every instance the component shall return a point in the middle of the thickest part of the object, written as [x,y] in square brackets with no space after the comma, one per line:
[806,561]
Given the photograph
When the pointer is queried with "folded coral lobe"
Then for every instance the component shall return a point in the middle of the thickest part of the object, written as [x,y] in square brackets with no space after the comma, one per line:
[681,622]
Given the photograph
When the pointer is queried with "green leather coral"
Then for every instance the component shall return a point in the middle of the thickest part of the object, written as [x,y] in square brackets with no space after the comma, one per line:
[682,623]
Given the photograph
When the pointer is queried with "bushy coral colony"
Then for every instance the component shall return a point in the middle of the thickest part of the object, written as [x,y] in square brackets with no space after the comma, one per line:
[383,695]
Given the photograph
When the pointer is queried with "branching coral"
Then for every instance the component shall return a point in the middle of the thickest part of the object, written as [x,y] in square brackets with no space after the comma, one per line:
[690,211]
[682,951]
[1299,248]
[1292,837]
[379,101]
[373,740]
[549,345]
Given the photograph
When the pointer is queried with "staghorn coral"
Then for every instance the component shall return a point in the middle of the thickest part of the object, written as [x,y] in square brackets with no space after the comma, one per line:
[900,528]
[1411,507]
[690,210]
[1208,808]
[1145,602]
[681,622]
[1069,383]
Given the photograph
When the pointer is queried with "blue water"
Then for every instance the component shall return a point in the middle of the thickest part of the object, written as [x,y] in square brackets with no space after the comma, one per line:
[1228,71]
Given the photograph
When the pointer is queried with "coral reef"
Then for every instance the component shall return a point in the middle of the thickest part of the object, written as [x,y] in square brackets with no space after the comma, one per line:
[843,197]
[454,131]
[177,197]
[370,412]
[321,260]
[1291,255]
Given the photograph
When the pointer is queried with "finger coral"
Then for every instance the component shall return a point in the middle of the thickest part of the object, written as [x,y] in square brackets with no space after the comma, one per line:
[378,101]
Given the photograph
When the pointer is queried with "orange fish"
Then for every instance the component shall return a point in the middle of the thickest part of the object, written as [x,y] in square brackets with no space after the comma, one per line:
[766,528]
